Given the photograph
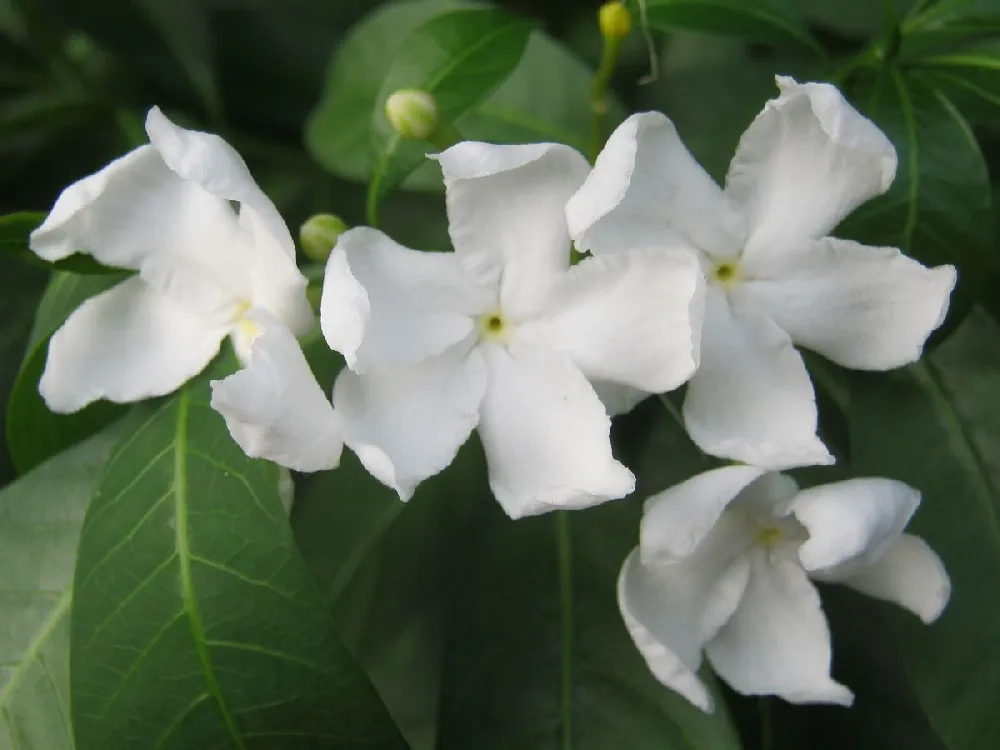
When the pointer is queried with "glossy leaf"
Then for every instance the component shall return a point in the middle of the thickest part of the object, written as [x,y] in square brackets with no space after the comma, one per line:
[459,57]
[970,77]
[40,519]
[775,21]
[195,620]
[14,232]
[938,208]
[537,655]
[935,425]
[544,99]
[33,432]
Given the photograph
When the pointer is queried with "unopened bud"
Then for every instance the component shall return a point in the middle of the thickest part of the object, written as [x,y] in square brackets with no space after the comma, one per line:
[615,20]
[412,113]
[319,234]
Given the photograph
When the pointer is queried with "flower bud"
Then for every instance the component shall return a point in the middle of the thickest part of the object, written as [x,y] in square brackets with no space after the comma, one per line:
[319,234]
[615,20]
[412,113]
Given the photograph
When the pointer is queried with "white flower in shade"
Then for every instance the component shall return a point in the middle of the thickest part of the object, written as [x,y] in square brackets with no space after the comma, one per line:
[166,211]
[776,279]
[724,566]
[502,335]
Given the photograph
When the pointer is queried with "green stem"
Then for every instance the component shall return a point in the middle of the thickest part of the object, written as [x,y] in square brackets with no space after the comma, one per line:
[599,94]
[565,552]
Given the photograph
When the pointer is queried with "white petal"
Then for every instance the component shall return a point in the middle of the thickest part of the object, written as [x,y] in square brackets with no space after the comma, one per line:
[677,520]
[777,642]
[751,399]
[852,522]
[268,253]
[909,574]
[646,190]
[406,424]
[126,344]
[274,408]
[507,213]
[618,399]
[632,318]
[670,610]
[136,213]
[805,163]
[546,435]
[869,308]
[384,304]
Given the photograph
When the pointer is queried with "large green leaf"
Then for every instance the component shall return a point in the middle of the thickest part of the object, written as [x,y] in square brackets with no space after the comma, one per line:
[776,21]
[938,208]
[460,57]
[33,432]
[388,571]
[936,425]
[537,655]
[195,621]
[970,77]
[544,99]
[40,519]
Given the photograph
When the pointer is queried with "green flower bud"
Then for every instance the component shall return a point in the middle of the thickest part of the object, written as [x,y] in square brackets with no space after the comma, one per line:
[615,20]
[412,113]
[319,234]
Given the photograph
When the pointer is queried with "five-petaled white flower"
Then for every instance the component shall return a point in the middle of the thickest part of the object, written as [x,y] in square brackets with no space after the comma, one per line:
[724,563]
[501,334]
[775,278]
[165,211]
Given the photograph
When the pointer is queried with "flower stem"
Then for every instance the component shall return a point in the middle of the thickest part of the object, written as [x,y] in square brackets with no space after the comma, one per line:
[599,93]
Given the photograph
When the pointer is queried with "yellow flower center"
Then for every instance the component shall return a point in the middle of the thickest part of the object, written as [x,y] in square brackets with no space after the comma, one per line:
[769,536]
[492,326]
[246,328]
[724,274]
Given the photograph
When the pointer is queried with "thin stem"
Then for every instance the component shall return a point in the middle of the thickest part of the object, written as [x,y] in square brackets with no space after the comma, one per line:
[599,93]
[565,552]
[766,727]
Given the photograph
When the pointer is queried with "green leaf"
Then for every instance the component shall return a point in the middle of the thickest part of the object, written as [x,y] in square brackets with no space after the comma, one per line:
[40,519]
[948,21]
[938,208]
[33,432]
[545,99]
[460,57]
[388,571]
[195,621]
[936,426]
[537,655]
[20,288]
[774,21]
[15,230]
[970,77]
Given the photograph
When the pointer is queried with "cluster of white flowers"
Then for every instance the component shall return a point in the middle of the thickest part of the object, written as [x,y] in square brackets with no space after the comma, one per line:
[685,282]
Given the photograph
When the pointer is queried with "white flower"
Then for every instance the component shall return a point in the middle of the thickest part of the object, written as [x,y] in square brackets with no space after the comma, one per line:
[165,210]
[775,278]
[501,335]
[724,563]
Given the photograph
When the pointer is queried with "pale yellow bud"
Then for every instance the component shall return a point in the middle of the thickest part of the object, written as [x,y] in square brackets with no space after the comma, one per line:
[319,234]
[412,113]
[615,20]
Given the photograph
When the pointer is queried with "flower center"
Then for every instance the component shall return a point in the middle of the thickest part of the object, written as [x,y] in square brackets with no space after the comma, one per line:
[493,326]
[768,536]
[724,274]
[246,328]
